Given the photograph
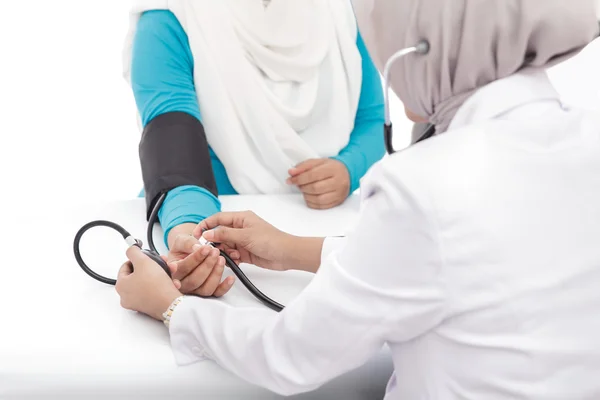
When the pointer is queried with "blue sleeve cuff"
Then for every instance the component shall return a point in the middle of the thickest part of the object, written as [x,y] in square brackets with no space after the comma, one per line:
[186,204]
[354,176]
[365,148]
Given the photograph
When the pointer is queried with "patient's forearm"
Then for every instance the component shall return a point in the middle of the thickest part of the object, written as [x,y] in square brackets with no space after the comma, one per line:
[303,253]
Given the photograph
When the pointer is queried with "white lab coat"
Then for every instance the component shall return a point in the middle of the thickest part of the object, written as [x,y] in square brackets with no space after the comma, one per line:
[476,259]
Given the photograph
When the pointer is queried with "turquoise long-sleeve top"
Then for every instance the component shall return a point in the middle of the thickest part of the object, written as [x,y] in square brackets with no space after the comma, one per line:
[162,80]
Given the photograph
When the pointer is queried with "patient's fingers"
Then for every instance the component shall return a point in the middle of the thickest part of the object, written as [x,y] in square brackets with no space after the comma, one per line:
[177,284]
[191,262]
[306,165]
[224,287]
[316,174]
[172,266]
[319,187]
[184,244]
[198,276]
[323,201]
[210,284]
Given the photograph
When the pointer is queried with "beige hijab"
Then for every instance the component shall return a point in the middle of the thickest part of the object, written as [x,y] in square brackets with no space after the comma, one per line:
[473,42]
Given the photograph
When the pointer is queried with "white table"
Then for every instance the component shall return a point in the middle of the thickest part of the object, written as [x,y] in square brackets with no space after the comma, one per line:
[65,335]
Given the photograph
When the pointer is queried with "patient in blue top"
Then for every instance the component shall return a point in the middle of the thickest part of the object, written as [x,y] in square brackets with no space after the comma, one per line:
[162,79]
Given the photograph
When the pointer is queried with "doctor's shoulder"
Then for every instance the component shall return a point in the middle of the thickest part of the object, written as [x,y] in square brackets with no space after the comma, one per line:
[444,159]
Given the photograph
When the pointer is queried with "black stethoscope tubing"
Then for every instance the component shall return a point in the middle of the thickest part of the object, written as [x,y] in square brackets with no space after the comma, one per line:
[153,253]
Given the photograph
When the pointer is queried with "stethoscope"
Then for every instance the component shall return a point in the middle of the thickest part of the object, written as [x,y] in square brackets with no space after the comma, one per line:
[154,255]
[421,48]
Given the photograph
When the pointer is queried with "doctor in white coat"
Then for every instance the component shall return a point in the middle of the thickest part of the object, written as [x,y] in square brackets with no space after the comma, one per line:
[476,257]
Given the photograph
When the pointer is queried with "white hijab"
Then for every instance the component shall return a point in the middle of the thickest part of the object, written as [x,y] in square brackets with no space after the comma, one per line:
[277,83]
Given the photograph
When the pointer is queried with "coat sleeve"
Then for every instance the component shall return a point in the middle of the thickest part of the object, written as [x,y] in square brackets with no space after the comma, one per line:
[383,283]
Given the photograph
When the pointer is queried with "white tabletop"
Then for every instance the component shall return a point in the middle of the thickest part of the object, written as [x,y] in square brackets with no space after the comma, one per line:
[65,335]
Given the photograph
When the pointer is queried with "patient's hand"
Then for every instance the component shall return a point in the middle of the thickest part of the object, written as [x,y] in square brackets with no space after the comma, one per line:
[324,182]
[199,268]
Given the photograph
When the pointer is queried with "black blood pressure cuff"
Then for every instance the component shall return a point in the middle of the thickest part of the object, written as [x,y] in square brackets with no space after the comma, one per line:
[174,152]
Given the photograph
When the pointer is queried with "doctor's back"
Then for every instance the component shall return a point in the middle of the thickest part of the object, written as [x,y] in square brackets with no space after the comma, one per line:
[491,228]
[511,195]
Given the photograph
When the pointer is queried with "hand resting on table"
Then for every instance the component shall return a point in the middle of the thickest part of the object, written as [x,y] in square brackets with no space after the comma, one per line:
[324,182]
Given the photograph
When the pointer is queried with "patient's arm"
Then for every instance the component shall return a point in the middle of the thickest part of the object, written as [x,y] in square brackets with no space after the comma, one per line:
[180,162]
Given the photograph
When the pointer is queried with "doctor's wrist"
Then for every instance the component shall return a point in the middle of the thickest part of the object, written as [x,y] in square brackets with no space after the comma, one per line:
[303,253]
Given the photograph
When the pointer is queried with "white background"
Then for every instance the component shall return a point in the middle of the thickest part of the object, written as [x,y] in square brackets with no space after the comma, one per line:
[68,119]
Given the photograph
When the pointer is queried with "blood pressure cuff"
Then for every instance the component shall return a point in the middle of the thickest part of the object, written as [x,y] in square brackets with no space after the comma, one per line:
[174,152]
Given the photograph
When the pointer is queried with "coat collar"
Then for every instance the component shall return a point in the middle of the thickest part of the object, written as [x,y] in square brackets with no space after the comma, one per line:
[504,95]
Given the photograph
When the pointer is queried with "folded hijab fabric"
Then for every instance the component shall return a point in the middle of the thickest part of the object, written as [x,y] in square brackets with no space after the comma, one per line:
[278,81]
[473,42]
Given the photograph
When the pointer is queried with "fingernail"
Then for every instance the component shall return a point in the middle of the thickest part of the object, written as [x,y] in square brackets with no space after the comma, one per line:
[196,247]
[230,280]
[288,181]
[206,250]
[208,235]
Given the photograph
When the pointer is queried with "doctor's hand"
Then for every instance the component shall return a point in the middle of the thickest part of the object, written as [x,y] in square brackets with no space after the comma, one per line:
[145,288]
[246,238]
[199,269]
[324,182]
